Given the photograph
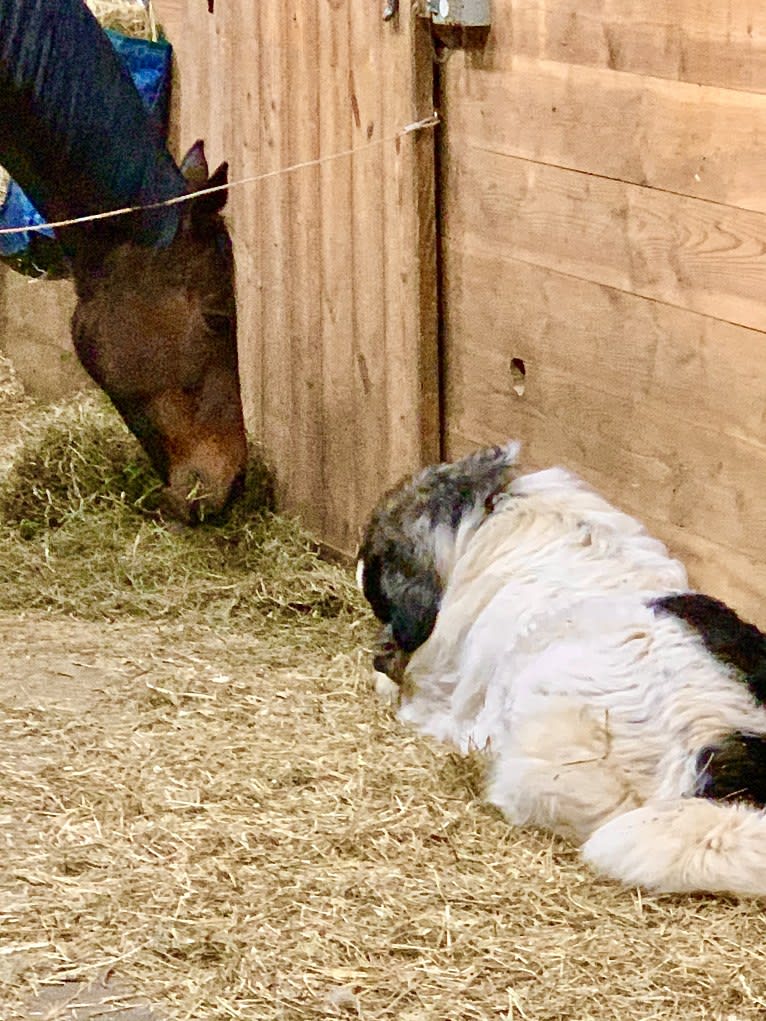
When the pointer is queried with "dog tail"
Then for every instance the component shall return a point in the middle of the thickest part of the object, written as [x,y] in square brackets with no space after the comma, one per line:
[683,846]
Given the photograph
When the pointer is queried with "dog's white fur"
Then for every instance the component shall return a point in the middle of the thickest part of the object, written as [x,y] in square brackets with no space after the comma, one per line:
[592,707]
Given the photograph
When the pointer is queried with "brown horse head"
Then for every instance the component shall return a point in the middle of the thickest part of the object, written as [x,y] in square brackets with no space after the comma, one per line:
[156,329]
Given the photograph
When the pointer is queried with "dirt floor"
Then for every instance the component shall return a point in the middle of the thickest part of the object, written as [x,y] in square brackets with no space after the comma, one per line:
[69,691]
[205,818]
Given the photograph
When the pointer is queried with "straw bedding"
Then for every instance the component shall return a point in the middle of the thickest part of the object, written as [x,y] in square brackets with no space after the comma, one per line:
[202,799]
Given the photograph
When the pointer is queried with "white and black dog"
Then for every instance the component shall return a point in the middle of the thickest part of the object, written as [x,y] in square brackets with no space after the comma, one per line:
[525,616]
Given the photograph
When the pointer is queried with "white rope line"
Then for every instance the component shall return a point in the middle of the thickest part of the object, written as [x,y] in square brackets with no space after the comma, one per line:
[427,122]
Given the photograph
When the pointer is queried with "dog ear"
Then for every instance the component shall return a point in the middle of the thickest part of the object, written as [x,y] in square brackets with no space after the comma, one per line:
[403,596]
[369,576]
[414,608]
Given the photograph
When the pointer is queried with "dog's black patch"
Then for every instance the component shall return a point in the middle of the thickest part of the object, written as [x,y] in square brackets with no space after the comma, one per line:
[372,586]
[415,612]
[403,597]
[725,635]
[735,770]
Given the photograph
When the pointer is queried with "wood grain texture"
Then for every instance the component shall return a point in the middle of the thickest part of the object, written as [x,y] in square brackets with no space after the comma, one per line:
[682,251]
[702,142]
[169,14]
[368,245]
[411,264]
[245,210]
[707,42]
[335,263]
[661,410]
[305,476]
[338,372]
[604,223]
[272,140]
[200,64]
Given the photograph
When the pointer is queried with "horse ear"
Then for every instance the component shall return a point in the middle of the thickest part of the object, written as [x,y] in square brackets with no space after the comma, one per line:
[209,205]
[194,166]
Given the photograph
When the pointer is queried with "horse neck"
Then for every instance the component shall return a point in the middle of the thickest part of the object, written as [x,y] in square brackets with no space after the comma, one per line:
[74,132]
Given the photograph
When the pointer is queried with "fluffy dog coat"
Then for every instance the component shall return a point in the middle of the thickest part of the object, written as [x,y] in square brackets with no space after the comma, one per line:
[527,617]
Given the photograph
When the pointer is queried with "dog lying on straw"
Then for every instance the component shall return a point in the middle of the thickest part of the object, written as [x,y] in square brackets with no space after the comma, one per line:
[525,616]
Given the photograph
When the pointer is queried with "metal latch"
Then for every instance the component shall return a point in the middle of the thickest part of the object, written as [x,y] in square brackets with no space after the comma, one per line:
[460,13]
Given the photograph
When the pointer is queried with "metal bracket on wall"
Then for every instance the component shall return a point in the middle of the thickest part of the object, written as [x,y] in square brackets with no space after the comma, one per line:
[459,13]
[457,24]
[448,14]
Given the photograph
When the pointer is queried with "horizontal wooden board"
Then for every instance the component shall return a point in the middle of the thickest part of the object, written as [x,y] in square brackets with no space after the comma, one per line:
[709,42]
[605,224]
[704,142]
[681,251]
[664,411]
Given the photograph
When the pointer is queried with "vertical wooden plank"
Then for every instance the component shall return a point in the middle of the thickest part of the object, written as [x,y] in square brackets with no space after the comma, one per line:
[228,84]
[197,60]
[246,214]
[276,285]
[216,94]
[368,354]
[336,275]
[189,79]
[169,15]
[412,375]
[417,246]
[306,480]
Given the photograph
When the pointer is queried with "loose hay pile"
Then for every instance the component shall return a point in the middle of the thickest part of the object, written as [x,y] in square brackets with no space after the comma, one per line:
[81,534]
[202,796]
[131,17]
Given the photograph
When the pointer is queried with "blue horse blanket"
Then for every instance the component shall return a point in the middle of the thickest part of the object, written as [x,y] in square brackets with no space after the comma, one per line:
[82,126]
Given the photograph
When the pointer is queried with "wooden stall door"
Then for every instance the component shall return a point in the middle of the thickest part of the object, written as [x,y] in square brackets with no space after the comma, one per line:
[335,261]
[604,241]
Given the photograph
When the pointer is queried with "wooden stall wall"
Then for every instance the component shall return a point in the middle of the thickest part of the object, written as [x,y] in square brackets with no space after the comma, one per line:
[335,262]
[604,183]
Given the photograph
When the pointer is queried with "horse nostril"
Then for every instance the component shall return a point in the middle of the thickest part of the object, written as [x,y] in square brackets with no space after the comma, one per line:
[176,508]
[237,487]
[196,490]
